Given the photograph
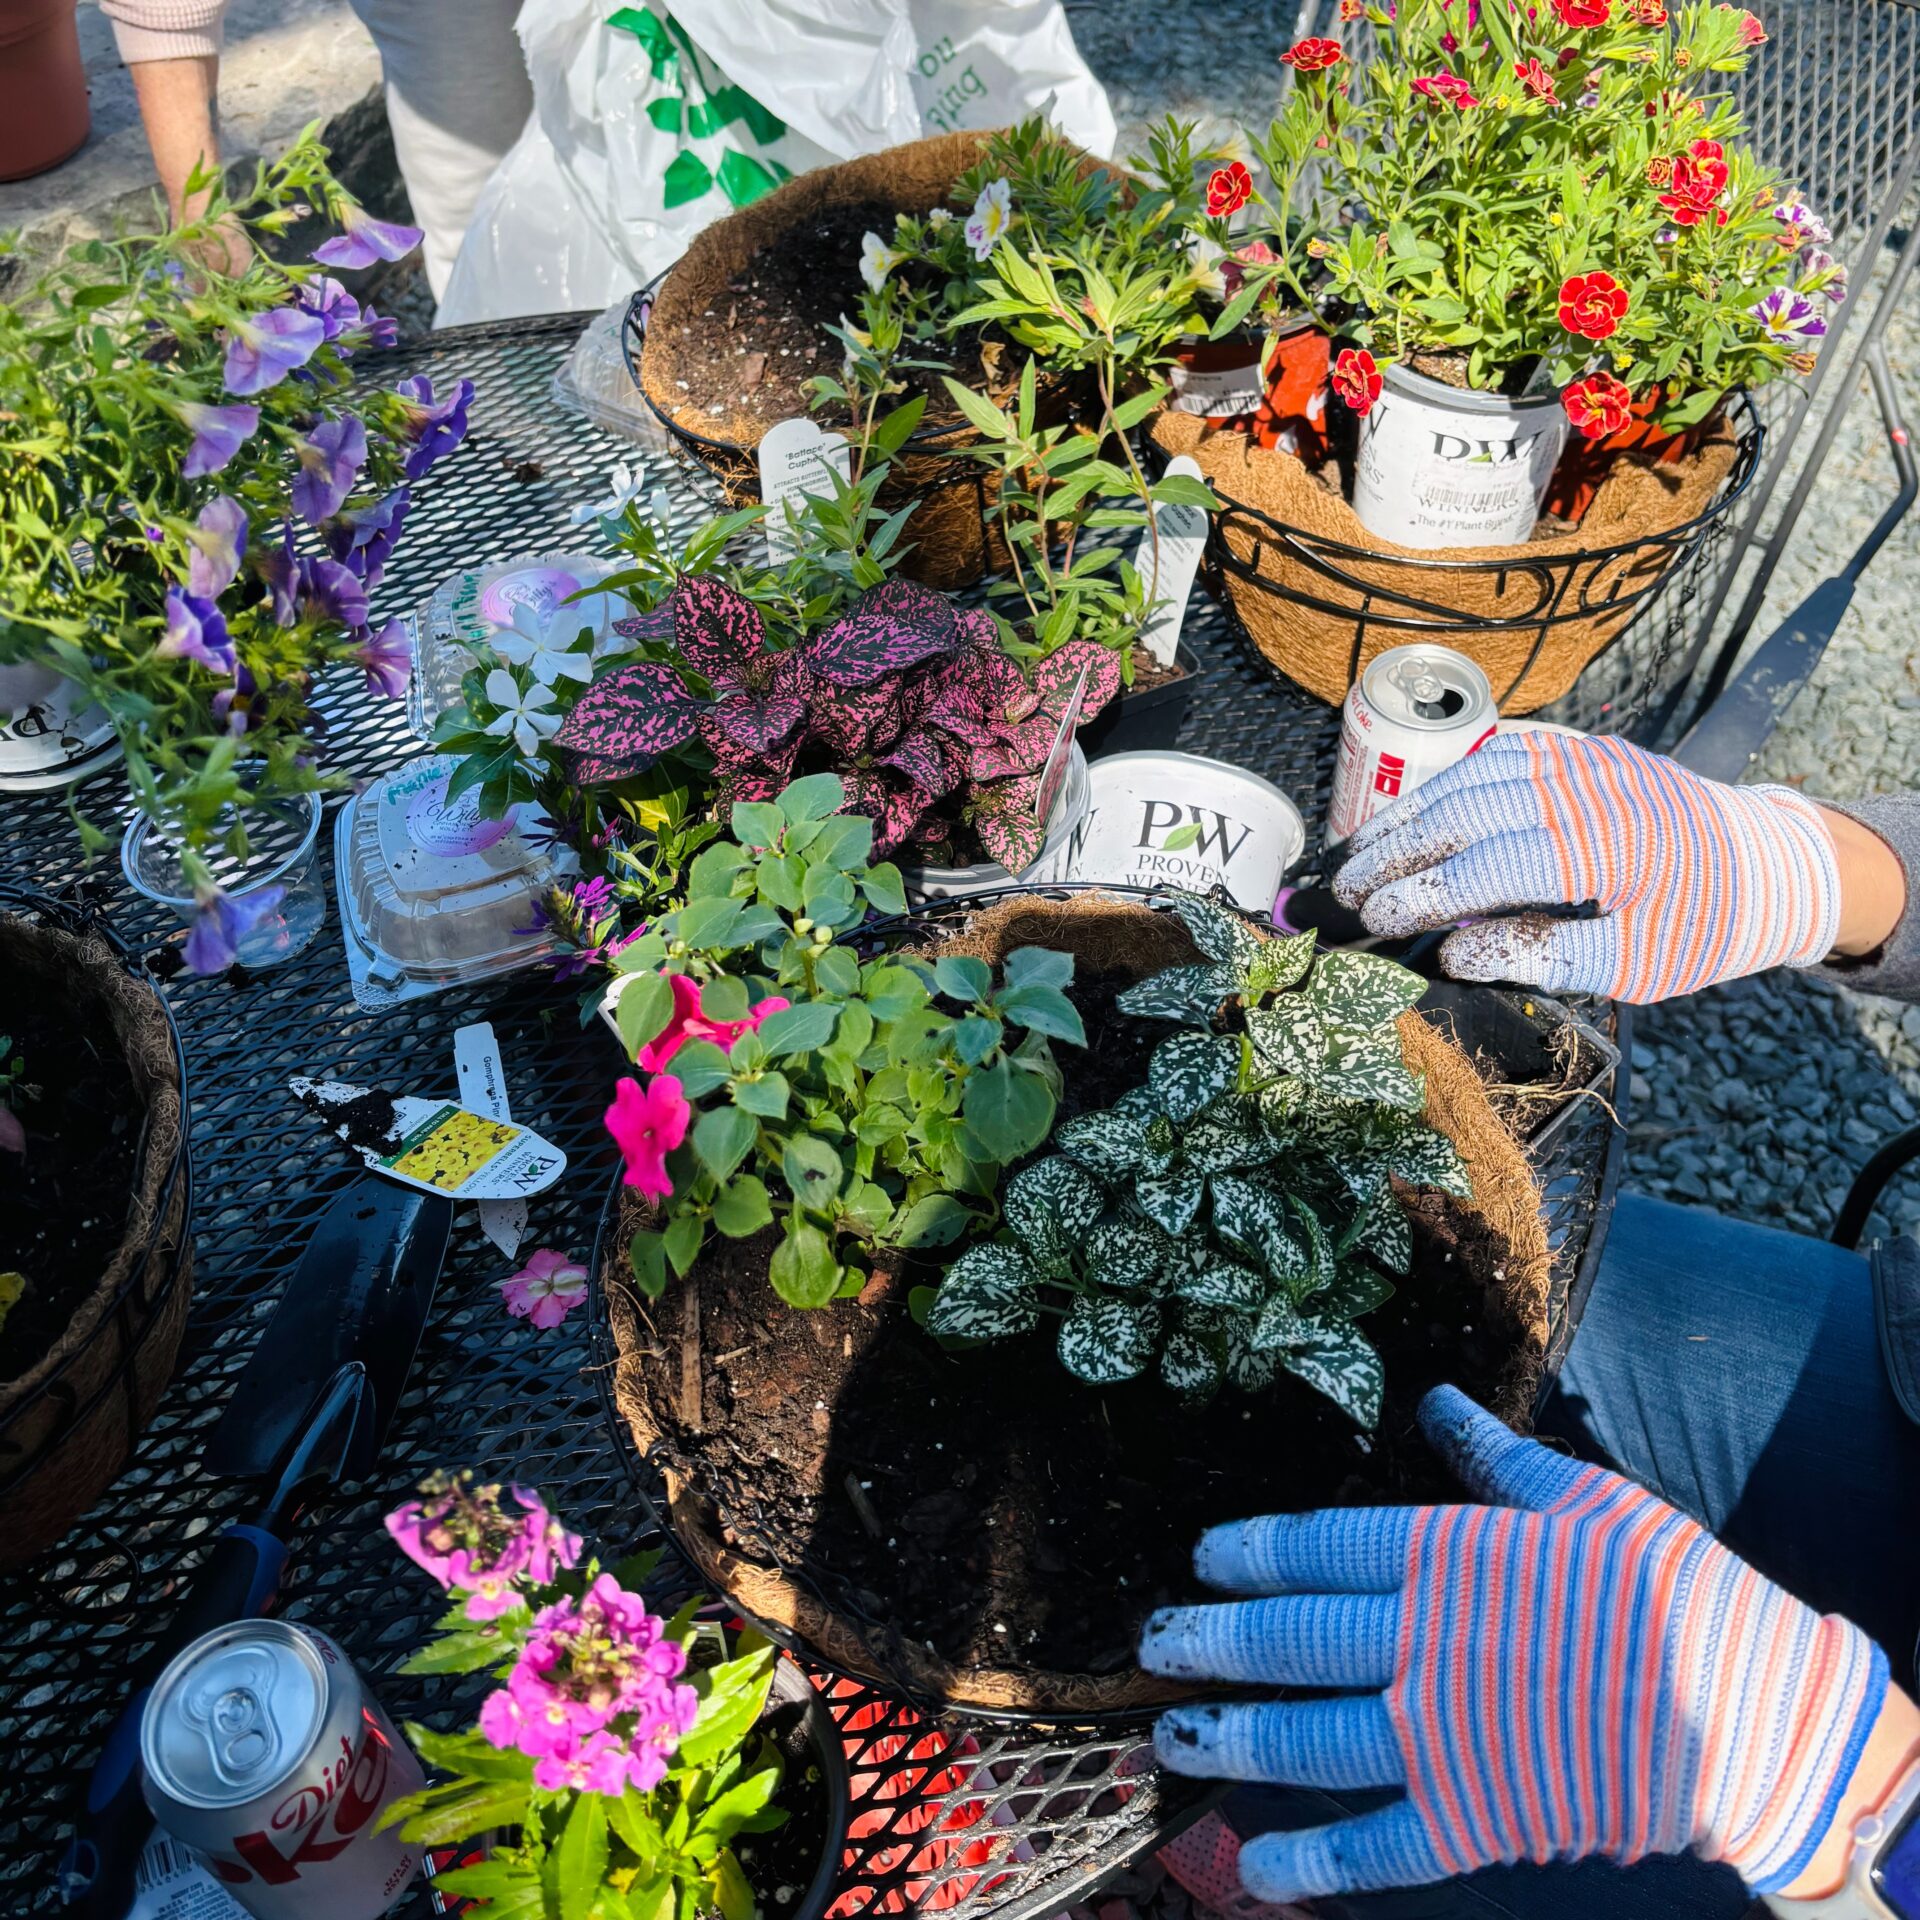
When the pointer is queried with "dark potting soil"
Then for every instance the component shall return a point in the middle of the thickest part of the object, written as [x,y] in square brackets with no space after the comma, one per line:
[985,1502]
[1526,1105]
[1149,673]
[767,334]
[780,1865]
[64,1201]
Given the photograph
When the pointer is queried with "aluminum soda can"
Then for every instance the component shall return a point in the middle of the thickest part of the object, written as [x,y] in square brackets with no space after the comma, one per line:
[265,1753]
[1413,711]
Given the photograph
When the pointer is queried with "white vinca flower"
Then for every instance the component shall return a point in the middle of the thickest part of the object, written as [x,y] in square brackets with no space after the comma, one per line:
[877,260]
[624,484]
[992,215]
[542,643]
[528,716]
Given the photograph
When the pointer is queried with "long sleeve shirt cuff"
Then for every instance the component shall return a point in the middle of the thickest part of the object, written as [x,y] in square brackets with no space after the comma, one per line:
[166,29]
[1894,969]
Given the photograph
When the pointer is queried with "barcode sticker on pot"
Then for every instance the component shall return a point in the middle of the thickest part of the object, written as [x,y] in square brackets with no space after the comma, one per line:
[1217,392]
[1183,538]
[796,459]
[171,1884]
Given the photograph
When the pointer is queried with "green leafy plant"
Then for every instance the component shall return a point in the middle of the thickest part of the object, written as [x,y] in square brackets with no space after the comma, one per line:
[14,1093]
[861,1102]
[1234,1215]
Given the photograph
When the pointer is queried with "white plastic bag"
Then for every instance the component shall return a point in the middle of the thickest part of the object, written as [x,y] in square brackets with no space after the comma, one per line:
[648,125]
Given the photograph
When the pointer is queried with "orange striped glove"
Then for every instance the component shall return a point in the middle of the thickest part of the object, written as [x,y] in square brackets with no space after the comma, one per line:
[1696,881]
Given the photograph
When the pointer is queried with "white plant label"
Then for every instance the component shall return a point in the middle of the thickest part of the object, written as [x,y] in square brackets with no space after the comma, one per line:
[1218,392]
[482,1075]
[169,1883]
[1053,773]
[795,458]
[1183,538]
[433,1144]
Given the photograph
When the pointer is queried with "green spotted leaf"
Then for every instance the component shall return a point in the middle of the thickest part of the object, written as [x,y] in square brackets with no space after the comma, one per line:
[1191,995]
[1289,1038]
[1110,1144]
[1248,1368]
[1219,932]
[1104,1340]
[1128,1253]
[1367,1066]
[1357,1288]
[1342,1362]
[1051,1206]
[1281,1325]
[1223,1283]
[1280,963]
[1190,1071]
[1362,989]
[1382,1230]
[1227,1138]
[1253,1220]
[1423,1158]
[1190,1366]
[989,1293]
[1319,1244]
[1172,1203]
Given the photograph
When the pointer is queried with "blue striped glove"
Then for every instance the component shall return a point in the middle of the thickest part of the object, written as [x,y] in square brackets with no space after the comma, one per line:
[1696,881]
[1574,1669]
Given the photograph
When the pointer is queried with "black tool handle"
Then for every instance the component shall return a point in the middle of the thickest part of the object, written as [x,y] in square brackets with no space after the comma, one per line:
[238,1581]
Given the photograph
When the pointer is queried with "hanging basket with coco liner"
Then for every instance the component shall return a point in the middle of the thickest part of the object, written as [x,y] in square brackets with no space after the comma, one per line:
[954,543]
[70,1415]
[979,1528]
[1319,596]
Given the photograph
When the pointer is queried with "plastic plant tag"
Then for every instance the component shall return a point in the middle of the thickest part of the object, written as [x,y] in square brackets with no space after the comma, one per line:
[433,1144]
[1053,774]
[795,457]
[1183,538]
[482,1075]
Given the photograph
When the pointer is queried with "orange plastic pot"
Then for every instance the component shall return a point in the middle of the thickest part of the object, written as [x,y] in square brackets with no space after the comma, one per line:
[1293,416]
[43,86]
[1585,463]
[1276,395]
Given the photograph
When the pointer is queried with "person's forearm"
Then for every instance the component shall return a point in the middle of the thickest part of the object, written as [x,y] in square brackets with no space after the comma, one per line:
[1891,1750]
[176,106]
[1873,888]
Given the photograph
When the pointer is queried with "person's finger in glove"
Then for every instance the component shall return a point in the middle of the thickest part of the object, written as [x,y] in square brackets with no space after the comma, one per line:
[1696,881]
[1574,1669]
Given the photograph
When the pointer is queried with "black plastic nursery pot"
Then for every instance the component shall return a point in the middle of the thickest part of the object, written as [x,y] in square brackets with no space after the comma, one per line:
[817,1792]
[103,1243]
[1142,718]
[976,1528]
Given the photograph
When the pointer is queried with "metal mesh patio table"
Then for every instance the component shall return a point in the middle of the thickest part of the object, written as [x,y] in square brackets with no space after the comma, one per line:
[1010,1820]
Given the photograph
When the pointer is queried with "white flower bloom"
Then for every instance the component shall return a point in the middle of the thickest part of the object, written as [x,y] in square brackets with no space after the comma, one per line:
[938,217]
[541,643]
[877,260]
[992,215]
[527,716]
[625,484]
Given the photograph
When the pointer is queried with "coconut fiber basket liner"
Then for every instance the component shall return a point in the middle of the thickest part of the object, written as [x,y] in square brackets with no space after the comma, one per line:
[68,1425]
[1320,596]
[954,541]
[658,1372]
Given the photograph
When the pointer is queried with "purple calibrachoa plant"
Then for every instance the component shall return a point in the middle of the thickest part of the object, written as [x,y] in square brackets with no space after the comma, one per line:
[174,423]
[929,724]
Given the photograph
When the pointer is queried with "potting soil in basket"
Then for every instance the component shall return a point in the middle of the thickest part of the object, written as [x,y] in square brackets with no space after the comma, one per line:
[981,1525]
[1640,500]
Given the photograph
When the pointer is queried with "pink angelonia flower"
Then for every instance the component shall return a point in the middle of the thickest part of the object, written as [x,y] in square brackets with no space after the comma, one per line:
[546,1289]
[460,1534]
[647,1124]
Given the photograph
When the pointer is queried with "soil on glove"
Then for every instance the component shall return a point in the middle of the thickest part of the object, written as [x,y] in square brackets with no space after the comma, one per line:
[767,334]
[988,1504]
[64,1201]
[780,1865]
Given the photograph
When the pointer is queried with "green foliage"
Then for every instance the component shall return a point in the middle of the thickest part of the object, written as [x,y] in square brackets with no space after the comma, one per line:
[1235,1215]
[877,1108]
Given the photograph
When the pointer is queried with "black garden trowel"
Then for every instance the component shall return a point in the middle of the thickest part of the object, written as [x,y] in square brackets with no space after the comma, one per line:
[308,1415]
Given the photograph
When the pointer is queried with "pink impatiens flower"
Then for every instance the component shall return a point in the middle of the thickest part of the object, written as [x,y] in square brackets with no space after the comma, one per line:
[689,1023]
[647,1123]
[546,1289]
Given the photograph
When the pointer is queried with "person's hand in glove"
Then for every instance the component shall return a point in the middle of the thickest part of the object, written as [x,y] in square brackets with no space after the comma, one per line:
[1576,1668]
[1696,881]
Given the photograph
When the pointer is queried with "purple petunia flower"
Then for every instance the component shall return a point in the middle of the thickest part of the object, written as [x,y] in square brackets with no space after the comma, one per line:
[329,591]
[195,631]
[332,305]
[217,435]
[222,922]
[388,659]
[377,330]
[233,706]
[218,542]
[1788,316]
[330,461]
[261,353]
[435,427]
[363,240]
[280,573]
[363,539]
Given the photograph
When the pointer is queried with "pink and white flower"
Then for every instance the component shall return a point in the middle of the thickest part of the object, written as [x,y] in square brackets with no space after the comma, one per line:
[546,1289]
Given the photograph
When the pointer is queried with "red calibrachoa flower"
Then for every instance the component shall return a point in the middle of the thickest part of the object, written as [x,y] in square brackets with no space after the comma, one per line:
[1312,56]
[1448,87]
[1752,33]
[1583,13]
[1598,405]
[1592,305]
[1536,80]
[1353,9]
[1229,189]
[1699,179]
[1356,379]
[1650,13]
[1660,170]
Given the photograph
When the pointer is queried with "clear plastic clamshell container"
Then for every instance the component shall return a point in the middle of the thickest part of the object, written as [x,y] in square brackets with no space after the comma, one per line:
[450,631]
[431,895]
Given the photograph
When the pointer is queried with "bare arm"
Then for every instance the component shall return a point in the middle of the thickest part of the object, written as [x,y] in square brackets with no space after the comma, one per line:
[176,107]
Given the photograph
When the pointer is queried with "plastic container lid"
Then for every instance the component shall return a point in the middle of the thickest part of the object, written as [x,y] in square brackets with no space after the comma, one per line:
[470,605]
[431,895]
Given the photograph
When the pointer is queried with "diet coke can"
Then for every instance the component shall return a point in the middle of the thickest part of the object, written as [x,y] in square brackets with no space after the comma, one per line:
[1414,710]
[265,1753]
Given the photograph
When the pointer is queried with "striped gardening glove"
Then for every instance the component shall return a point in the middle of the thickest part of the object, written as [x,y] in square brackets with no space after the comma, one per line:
[1574,1669]
[1695,881]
